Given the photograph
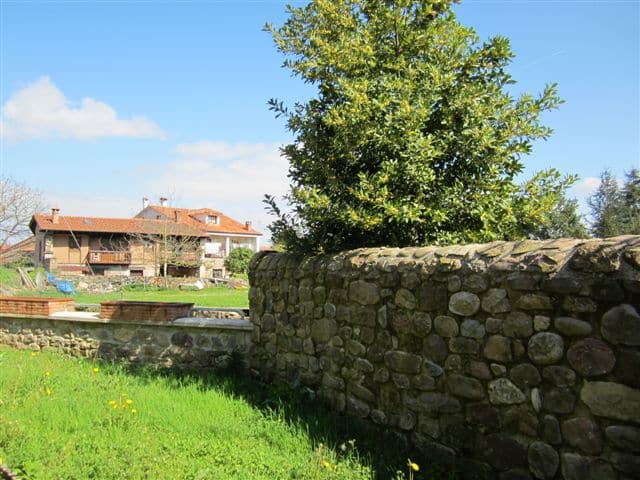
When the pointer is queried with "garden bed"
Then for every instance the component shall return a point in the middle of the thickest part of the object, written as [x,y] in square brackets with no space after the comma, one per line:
[35,305]
[144,311]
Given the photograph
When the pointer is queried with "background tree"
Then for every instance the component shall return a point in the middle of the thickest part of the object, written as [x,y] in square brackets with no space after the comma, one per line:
[606,207]
[18,203]
[170,246]
[631,202]
[543,211]
[412,137]
[615,210]
[237,262]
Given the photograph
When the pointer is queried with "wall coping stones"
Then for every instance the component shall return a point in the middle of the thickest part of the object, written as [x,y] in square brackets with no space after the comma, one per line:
[93,318]
[572,254]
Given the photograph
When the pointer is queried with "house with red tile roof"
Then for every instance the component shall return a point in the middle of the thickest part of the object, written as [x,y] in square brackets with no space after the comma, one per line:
[187,242]
[17,252]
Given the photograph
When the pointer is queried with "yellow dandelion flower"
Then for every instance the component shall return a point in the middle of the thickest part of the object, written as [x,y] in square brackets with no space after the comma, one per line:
[96,369]
[134,411]
[33,354]
[112,402]
[326,464]
[47,391]
[115,406]
[128,401]
[414,466]
[47,373]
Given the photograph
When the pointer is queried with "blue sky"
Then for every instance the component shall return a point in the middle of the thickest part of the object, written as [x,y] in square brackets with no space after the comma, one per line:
[106,102]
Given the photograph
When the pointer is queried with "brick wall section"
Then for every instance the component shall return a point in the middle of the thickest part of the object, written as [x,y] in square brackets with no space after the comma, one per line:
[35,305]
[521,358]
[201,344]
[144,311]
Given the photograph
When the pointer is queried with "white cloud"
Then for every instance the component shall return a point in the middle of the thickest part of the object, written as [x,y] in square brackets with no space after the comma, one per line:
[586,187]
[232,178]
[41,110]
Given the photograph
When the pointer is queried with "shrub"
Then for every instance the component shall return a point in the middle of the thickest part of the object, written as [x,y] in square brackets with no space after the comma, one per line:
[238,261]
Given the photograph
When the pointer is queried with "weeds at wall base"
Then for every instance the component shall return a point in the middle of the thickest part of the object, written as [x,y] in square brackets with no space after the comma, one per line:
[59,420]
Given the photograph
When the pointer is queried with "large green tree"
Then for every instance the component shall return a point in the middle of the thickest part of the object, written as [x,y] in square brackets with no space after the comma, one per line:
[413,136]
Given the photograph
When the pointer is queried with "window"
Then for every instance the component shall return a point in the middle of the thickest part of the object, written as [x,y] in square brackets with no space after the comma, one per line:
[72,243]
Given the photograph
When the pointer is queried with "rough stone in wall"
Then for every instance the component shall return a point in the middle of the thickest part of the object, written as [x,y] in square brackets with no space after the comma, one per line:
[522,357]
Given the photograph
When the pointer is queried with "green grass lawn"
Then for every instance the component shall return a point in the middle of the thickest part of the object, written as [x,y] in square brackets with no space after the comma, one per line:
[67,418]
[217,296]
[214,296]
[9,277]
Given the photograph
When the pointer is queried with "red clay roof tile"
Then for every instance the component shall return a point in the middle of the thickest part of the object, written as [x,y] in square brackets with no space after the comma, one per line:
[188,217]
[114,225]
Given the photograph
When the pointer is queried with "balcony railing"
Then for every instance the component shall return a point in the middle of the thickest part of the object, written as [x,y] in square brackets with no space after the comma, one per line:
[185,257]
[108,257]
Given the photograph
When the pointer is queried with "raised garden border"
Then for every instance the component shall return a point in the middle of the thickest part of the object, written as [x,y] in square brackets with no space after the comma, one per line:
[144,311]
[36,305]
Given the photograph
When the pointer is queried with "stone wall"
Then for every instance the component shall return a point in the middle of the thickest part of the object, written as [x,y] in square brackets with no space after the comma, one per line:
[190,343]
[520,358]
[111,283]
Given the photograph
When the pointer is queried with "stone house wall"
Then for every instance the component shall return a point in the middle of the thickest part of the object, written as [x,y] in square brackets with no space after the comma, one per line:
[521,359]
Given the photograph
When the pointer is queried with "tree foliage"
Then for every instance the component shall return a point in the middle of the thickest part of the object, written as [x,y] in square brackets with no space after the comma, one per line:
[631,202]
[237,262]
[543,211]
[18,203]
[170,248]
[615,210]
[413,136]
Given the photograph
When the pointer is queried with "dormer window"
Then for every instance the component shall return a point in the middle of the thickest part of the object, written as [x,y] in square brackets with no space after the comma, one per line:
[212,219]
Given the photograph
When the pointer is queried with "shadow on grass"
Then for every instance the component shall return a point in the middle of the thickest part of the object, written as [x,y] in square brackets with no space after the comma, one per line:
[384,451]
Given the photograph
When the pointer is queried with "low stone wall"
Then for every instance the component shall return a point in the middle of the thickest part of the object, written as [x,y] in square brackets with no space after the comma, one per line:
[100,283]
[520,358]
[189,343]
[220,312]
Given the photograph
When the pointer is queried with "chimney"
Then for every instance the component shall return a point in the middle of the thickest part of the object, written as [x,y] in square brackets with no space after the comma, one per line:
[163,201]
[247,225]
[55,216]
[177,214]
[145,202]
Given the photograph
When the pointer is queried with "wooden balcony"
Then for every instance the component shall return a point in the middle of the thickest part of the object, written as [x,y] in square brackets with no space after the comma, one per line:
[185,258]
[108,257]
